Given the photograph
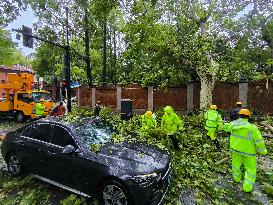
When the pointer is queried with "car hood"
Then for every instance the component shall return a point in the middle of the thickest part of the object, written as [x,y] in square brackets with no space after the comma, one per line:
[136,158]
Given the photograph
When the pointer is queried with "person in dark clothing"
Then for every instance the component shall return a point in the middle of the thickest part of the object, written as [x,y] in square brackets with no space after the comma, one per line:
[234,114]
[97,109]
[59,110]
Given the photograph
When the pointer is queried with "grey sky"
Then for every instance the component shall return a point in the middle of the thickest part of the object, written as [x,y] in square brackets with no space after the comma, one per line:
[26,18]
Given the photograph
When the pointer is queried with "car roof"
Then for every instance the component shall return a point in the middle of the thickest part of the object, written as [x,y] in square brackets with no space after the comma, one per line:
[71,125]
[53,120]
[62,121]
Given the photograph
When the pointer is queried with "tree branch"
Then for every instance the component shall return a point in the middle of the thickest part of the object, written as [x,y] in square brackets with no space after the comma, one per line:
[192,12]
[80,56]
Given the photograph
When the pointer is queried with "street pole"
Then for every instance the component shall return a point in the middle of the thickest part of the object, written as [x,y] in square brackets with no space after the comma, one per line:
[28,34]
[67,66]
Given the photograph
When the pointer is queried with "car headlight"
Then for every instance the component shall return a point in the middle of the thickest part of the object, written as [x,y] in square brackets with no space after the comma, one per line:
[146,179]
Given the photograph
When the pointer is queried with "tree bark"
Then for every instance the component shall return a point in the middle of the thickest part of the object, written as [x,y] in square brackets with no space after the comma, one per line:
[104,53]
[87,49]
[207,79]
[115,56]
[271,56]
[110,55]
[203,28]
[207,86]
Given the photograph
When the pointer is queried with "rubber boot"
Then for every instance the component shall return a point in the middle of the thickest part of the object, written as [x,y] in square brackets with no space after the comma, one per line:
[175,142]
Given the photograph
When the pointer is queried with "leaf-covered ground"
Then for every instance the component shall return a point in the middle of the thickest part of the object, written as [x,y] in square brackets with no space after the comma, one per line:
[201,174]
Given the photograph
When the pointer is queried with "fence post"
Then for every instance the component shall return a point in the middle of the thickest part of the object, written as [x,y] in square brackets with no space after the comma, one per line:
[150,98]
[93,97]
[243,88]
[119,98]
[189,97]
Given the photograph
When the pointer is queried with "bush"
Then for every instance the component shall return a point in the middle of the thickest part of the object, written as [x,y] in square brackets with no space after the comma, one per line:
[73,200]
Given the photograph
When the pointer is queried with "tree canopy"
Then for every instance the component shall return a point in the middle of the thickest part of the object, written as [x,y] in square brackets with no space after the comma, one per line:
[9,55]
[159,42]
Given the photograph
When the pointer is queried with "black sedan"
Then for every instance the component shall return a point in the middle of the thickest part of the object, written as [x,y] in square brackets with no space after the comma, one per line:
[59,153]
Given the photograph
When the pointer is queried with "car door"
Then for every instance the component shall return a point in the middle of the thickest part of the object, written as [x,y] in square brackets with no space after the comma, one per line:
[27,150]
[33,144]
[67,169]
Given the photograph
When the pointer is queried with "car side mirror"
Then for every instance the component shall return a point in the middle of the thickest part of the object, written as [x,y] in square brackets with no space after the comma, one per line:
[69,149]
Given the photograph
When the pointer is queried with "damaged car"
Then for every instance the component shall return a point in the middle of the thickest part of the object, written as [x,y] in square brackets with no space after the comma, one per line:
[59,153]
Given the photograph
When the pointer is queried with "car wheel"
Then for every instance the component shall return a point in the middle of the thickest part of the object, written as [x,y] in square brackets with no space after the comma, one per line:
[14,165]
[114,193]
[20,117]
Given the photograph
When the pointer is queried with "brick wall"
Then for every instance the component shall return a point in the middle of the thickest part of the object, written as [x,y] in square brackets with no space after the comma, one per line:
[196,97]
[107,96]
[173,96]
[86,97]
[138,95]
[225,95]
[261,98]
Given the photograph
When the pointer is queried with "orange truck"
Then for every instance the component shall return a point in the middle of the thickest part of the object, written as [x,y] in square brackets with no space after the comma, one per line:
[20,99]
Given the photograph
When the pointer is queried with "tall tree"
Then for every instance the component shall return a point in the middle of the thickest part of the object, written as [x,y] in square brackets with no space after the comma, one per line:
[9,55]
[10,10]
[257,27]
[52,19]
[210,20]
[152,54]
[102,11]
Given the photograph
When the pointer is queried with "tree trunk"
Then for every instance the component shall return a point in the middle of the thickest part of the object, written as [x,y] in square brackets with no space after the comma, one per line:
[87,49]
[207,79]
[207,86]
[271,56]
[110,73]
[115,56]
[203,28]
[104,53]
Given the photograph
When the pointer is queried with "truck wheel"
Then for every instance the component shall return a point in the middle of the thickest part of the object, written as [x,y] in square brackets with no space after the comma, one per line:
[20,117]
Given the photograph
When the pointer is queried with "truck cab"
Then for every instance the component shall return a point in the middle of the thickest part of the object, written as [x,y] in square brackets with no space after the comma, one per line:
[21,99]
[25,101]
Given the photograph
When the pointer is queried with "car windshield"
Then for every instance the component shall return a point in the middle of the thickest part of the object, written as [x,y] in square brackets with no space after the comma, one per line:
[38,95]
[94,131]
